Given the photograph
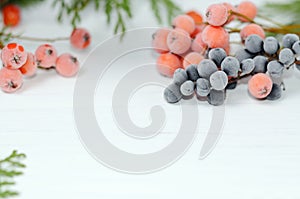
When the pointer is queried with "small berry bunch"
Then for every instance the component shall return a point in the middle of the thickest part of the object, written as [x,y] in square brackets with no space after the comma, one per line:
[18,63]
[262,60]
[191,38]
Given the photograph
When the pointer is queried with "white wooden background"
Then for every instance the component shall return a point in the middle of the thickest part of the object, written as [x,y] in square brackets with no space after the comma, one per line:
[258,155]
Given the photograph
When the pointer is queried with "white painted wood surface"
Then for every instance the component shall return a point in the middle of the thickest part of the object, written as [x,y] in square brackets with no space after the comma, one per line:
[258,155]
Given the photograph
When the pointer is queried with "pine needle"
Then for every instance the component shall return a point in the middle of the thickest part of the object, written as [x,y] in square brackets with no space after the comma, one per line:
[289,8]
[122,9]
[10,167]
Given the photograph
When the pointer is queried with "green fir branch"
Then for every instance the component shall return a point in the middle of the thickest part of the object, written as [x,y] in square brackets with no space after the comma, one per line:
[171,8]
[10,167]
[289,8]
[122,9]
[22,3]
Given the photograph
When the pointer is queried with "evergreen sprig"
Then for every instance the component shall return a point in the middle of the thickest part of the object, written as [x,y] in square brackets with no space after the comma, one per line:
[288,8]
[119,8]
[22,3]
[10,167]
[172,9]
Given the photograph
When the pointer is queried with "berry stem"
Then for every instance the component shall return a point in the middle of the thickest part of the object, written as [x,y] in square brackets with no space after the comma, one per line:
[34,39]
[281,29]
[47,69]
[233,80]
[270,20]
[243,16]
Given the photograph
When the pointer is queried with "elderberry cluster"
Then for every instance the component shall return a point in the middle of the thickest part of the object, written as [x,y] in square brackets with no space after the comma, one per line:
[262,59]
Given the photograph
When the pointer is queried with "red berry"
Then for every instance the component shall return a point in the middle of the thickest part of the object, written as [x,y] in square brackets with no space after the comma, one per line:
[67,65]
[198,45]
[198,30]
[179,41]
[248,9]
[215,37]
[192,58]
[197,17]
[80,38]
[10,80]
[13,56]
[30,67]
[167,64]
[260,85]
[11,15]
[46,56]
[252,29]
[216,14]
[229,7]
[159,41]
[184,22]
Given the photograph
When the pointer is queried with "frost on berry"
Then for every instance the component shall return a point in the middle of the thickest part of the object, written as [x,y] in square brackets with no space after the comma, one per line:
[46,56]
[80,38]
[13,56]
[67,65]
[10,80]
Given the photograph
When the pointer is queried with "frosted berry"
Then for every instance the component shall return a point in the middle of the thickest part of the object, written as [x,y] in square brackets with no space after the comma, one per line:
[271,45]
[248,9]
[179,41]
[184,22]
[260,64]
[180,76]
[198,45]
[11,15]
[288,40]
[13,56]
[251,29]
[159,42]
[247,66]
[215,37]
[172,93]
[218,80]
[80,38]
[260,85]
[67,65]
[242,54]
[197,17]
[286,56]
[192,58]
[254,44]
[46,56]
[29,68]
[230,8]
[296,48]
[275,69]
[275,93]
[217,55]
[167,64]
[187,88]
[192,73]
[10,80]
[231,66]
[206,68]
[216,14]
[216,98]
[197,30]
[202,87]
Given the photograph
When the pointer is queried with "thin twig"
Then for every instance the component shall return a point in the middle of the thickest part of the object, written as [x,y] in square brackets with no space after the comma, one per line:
[51,40]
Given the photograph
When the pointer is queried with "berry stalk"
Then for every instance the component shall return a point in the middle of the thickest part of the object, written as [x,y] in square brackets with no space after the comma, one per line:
[280,29]
[34,39]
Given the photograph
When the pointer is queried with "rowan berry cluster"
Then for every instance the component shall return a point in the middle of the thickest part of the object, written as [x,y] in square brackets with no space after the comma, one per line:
[18,63]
